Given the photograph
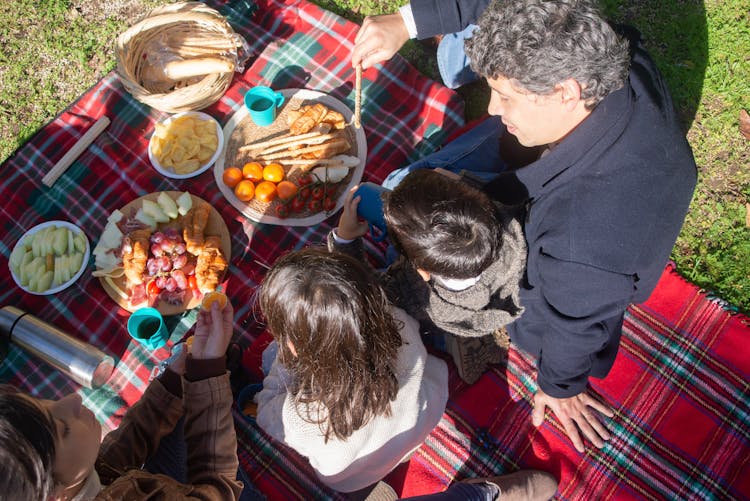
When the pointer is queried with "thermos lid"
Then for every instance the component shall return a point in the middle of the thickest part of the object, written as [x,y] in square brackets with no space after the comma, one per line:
[8,317]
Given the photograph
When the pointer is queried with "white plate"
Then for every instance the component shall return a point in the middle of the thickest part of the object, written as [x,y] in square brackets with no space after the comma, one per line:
[301,95]
[84,263]
[166,171]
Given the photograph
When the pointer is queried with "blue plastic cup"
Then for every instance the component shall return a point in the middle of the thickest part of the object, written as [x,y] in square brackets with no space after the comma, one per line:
[370,208]
[262,103]
[146,325]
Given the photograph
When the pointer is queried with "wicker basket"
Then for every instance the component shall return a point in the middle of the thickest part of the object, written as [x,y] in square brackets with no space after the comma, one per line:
[136,45]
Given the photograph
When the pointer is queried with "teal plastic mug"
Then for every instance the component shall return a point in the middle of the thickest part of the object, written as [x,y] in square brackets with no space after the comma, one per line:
[262,103]
[146,325]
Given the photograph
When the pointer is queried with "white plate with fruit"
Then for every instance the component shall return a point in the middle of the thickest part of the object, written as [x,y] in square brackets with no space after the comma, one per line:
[304,191]
[158,220]
[49,257]
[185,145]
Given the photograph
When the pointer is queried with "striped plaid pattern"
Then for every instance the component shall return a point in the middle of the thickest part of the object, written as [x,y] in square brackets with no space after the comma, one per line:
[293,44]
[679,387]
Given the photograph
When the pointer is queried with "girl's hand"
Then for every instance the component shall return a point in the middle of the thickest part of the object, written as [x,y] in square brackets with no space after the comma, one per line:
[213,332]
[350,227]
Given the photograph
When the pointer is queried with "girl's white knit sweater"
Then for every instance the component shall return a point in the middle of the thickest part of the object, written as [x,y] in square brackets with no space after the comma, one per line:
[371,452]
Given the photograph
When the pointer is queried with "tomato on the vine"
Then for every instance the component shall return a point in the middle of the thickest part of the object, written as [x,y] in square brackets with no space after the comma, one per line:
[282,211]
[298,204]
[305,180]
[314,205]
[328,204]
[318,192]
[304,192]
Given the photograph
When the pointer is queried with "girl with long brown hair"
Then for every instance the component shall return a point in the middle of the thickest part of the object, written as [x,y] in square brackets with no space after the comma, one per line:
[352,387]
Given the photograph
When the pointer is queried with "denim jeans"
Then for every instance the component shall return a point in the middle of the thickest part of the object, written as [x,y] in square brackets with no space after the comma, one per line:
[452,60]
[462,492]
[476,151]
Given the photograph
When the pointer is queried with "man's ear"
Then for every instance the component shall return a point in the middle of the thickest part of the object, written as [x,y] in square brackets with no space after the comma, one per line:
[570,93]
[425,275]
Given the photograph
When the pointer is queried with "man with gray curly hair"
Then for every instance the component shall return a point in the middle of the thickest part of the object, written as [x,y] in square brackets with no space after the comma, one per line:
[606,191]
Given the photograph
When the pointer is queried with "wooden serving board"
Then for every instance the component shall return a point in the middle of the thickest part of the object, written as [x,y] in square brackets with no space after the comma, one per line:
[215,226]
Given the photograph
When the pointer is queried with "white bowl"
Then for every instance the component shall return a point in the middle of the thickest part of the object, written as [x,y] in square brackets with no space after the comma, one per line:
[166,171]
[84,263]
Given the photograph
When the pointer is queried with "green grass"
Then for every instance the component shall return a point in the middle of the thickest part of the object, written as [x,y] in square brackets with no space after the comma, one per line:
[53,50]
[51,53]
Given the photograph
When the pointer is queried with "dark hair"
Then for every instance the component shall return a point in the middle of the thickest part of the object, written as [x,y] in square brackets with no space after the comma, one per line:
[27,447]
[539,43]
[442,226]
[339,320]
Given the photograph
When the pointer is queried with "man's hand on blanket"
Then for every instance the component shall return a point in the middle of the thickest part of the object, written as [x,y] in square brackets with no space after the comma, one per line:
[350,227]
[379,38]
[213,332]
[575,413]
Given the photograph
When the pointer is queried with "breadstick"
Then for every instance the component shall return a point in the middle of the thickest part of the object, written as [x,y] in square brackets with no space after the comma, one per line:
[334,144]
[358,96]
[75,151]
[285,138]
[328,162]
[316,139]
[188,52]
[177,70]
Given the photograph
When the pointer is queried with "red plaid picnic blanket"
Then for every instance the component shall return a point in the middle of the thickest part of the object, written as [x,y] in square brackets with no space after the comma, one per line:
[293,44]
[679,385]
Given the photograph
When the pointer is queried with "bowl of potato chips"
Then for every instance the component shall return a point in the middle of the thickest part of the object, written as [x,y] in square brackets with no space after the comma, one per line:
[186,144]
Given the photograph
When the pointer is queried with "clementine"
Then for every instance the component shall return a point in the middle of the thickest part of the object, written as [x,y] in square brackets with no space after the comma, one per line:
[286,190]
[232,176]
[273,173]
[253,171]
[211,297]
[265,191]
[245,190]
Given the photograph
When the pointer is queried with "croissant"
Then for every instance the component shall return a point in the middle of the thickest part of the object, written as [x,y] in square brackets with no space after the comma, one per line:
[311,117]
[135,254]
[211,265]
[193,226]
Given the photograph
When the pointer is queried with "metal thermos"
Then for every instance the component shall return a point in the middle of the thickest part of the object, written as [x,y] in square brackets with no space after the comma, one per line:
[85,364]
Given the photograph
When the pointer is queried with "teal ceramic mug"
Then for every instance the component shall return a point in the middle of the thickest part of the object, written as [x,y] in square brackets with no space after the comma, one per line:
[262,104]
[146,325]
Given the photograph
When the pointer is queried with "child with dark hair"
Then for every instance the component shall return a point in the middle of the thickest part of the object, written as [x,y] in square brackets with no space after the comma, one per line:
[352,387]
[51,450]
[463,259]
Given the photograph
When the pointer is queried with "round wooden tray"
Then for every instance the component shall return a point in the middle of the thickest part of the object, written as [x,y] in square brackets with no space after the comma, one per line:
[216,226]
[240,130]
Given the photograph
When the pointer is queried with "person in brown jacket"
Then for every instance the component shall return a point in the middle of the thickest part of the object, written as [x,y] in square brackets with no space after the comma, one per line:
[51,449]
